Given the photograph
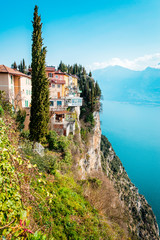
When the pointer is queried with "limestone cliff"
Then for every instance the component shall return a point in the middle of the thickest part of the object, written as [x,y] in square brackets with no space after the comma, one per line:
[142,221]
[91,160]
[100,160]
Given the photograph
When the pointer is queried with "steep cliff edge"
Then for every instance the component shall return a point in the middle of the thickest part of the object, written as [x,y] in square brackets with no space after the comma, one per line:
[127,207]
[91,160]
[141,220]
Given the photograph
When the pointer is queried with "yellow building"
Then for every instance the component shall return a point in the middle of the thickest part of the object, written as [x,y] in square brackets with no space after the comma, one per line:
[66,87]
[74,80]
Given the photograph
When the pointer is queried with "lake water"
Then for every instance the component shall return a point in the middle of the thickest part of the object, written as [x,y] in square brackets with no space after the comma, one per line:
[134,132]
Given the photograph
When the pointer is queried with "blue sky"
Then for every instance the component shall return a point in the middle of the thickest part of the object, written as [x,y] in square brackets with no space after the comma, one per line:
[92,33]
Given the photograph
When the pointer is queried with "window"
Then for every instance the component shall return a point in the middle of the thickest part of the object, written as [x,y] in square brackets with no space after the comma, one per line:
[26,80]
[59,86]
[59,103]
[11,80]
[56,76]
[27,92]
[50,74]
[74,101]
[53,85]
[51,103]
[26,103]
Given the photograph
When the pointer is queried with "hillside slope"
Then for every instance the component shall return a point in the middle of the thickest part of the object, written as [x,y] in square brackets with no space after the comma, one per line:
[50,201]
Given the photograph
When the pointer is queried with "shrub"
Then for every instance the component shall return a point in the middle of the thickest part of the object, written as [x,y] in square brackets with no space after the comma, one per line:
[46,163]
[1,111]
[60,143]
[37,236]
[25,134]
[4,102]
[90,119]
[83,134]
[20,118]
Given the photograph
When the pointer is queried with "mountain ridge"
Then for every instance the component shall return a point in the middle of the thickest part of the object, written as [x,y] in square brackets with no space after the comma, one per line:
[123,84]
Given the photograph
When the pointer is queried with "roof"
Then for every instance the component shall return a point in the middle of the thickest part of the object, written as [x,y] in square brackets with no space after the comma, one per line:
[61,112]
[75,76]
[56,81]
[59,72]
[4,69]
[50,69]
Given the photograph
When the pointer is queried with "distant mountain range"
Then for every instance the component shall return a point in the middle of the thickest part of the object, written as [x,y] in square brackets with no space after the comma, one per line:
[122,84]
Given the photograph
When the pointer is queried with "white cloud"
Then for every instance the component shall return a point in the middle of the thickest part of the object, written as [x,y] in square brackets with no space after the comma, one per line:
[140,63]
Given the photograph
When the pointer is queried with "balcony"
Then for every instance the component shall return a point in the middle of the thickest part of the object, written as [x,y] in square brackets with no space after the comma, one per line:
[72,101]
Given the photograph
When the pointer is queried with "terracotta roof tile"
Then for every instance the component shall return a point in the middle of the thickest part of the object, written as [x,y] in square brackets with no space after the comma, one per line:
[61,112]
[50,69]
[4,69]
[52,80]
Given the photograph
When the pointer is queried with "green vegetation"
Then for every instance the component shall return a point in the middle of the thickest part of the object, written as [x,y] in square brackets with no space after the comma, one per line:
[11,207]
[5,104]
[21,67]
[1,111]
[20,118]
[40,198]
[62,67]
[60,143]
[40,86]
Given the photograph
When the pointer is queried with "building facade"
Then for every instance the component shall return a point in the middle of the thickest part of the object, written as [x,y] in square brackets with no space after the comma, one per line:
[16,85]
[65,100]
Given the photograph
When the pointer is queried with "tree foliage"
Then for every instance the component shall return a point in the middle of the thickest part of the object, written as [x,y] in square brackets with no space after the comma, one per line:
[62,67]
[14,65]
[40,86]
[21,67]
[20,118]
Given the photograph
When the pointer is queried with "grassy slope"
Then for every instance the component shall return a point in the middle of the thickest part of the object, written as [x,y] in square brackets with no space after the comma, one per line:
[50,202]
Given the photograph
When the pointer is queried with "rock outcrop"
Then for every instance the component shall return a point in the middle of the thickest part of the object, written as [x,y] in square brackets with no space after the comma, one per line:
[100,159]
[142,222]
[91,160]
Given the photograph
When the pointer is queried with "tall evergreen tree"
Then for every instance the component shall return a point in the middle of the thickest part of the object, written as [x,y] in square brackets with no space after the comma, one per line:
[90,74]
[40,86]
[62,67]
[23,66]
[20,67]
[14,65]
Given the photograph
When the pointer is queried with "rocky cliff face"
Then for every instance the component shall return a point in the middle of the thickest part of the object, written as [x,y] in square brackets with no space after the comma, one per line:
[142,222]
[100,159]
[91,160]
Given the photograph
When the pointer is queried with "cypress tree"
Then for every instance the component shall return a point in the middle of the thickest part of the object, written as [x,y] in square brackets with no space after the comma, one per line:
[62,67]
[90,74]
[14,65]
[23,66]
[20,67]
[40,86]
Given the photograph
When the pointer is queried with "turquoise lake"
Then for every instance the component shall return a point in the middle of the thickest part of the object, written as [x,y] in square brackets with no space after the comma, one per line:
[134,132]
